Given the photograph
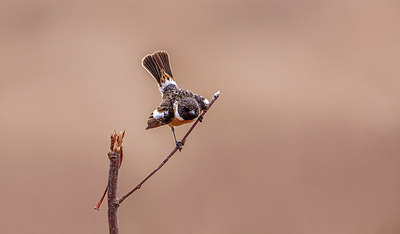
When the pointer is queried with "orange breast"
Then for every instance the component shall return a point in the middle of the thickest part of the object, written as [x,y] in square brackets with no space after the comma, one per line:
[176,122]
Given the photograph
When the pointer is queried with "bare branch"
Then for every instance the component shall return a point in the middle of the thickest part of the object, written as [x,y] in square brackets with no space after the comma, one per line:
[115,157]
[139,185]
[112,192]
[115,146]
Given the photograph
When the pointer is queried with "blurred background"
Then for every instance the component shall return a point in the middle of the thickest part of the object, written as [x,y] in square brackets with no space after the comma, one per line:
[304,138]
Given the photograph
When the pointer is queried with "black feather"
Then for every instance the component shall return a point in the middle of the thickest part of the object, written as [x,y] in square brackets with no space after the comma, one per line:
[161,57]
[151,66]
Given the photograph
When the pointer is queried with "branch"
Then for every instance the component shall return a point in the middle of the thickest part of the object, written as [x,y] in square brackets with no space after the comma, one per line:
[115,157]
[116,145]
[139,185]
[112,192]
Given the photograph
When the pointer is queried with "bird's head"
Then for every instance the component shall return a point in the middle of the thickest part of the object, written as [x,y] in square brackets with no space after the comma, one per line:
[187,109]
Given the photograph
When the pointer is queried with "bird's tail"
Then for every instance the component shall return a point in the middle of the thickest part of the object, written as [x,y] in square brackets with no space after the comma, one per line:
[157,64]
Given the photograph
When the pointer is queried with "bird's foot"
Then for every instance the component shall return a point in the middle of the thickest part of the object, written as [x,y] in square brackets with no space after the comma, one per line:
[179,145]
[200,118]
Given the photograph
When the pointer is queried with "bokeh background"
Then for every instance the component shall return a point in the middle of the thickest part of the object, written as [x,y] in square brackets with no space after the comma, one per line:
[305,137]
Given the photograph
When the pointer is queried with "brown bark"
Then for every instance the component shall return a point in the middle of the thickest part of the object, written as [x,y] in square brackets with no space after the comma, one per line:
[112,192]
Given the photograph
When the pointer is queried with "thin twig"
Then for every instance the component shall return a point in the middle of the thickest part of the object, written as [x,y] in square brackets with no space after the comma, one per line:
[139,185]
[97,207]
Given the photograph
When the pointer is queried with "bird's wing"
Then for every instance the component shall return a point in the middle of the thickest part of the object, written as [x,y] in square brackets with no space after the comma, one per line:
[161,116]
[203,102]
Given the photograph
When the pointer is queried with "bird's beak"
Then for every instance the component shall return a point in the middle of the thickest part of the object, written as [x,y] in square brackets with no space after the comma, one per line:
[192,112]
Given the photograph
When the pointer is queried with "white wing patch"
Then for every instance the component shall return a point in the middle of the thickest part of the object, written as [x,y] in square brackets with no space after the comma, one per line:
[158,115]
[206,101]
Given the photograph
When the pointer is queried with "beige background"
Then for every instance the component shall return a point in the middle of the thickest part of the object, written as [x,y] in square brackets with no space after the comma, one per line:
[304,138]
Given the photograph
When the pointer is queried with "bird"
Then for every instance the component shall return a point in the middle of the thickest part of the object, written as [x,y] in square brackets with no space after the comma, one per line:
[178,106]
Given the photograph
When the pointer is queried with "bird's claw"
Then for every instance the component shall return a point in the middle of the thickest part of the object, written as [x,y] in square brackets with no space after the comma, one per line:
[200,118]
[179,145]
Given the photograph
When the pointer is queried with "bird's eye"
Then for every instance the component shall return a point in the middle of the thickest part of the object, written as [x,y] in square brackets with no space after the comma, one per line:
[185,109]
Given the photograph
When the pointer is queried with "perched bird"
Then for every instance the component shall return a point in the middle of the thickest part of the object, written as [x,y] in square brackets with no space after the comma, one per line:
[178,106]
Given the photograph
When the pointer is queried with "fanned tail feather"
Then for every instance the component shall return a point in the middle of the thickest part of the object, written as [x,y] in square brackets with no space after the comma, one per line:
[149,63]
[162,60]
[157,64]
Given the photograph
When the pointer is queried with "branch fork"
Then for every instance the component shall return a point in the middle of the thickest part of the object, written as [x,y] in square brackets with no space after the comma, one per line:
[115,156]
